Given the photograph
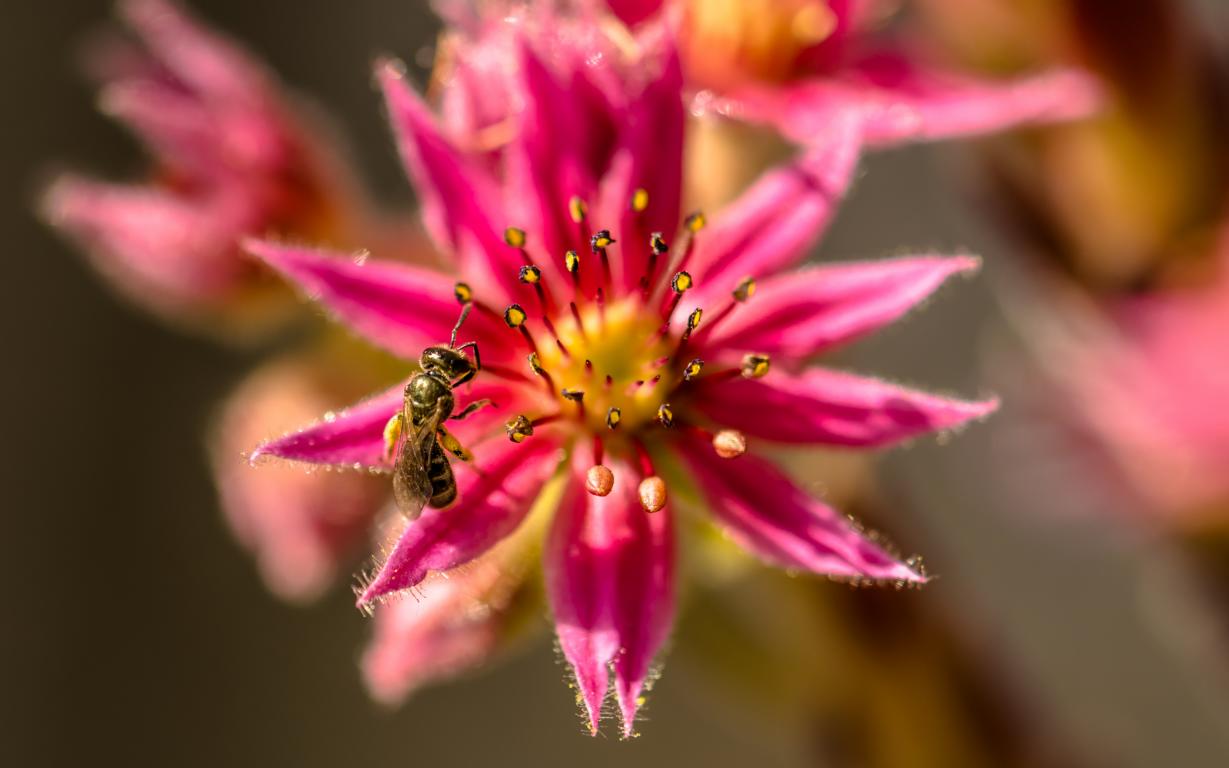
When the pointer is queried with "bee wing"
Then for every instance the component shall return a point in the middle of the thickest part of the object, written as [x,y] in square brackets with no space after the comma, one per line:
[411,483]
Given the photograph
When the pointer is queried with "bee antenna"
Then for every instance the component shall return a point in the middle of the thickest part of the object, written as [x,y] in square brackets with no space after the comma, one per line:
[460,321]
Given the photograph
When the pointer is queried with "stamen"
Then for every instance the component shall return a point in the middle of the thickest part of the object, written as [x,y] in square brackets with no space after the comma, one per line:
[580,325]
[571,262]
[599,480]
[652,493]
[519,428]
[755,366]
[657,248]
[665,415]
[679,284]
[693,224]
[515,238]
[576,396]
[730,443]
[692,369]
[599,242]
[693,322]
[543,420]
[613,417]
[515,317]
[742,292]
[640,200]
[599,450]
[463,293]
[535,365]
[588,367]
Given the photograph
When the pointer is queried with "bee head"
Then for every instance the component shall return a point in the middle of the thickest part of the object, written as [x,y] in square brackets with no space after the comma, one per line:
[448,361]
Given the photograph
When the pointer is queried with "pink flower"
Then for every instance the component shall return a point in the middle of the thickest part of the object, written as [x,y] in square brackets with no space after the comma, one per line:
[232,157]
[1151,384]
[630,356]
[794,64]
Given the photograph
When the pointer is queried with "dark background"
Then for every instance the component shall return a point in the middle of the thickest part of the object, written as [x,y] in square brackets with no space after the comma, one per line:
[135,632]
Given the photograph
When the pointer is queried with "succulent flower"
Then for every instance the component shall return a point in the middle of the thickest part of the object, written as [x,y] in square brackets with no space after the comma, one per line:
[794,64]
[232,156]
[631,358]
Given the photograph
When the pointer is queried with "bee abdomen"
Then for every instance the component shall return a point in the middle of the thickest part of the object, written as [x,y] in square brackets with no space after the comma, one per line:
[443,483]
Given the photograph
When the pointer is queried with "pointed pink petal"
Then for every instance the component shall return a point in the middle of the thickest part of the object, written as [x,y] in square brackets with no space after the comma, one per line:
[644,603]
[158,248]
[632,12]
[652,142]
[354,437]
[901,101]
[775,223]
[609,571]
[490,506]
[301,527]
[800,314]
[459,201]
[205,61]
[454,624]
[830,408]
[898,102]
[396,306]
[771,517]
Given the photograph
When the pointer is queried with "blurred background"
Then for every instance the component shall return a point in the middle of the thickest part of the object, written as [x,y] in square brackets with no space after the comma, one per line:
[1061,631]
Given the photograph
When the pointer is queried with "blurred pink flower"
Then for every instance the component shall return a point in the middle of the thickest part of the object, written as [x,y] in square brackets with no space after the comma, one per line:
[303,528]
[1150,379]
[631,394]
[795,64]
[232,156]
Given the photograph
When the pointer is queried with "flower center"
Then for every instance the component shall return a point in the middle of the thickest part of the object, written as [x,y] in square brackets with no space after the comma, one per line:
[617,356]
[738,40]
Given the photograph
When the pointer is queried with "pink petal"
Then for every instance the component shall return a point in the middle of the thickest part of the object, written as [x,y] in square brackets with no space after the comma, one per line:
[800,314]
[456,622]
[633,12]
[396,306]
[830,408]
[491,506]
[775,223]
[652,143]
[898,101]
[206,62]
[919,104]
[609,571]
[460,203]
[158,248]
[302,527]
[768,515]
[354,437]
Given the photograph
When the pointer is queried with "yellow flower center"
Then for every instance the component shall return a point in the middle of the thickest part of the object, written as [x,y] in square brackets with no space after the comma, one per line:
[731,41]
[614,368]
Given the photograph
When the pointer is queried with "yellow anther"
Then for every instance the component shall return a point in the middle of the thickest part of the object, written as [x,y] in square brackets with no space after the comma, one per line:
[755,366]
[695,222]
[658,243]
[693,369]
[601,240]
[463,292]
[640,200]
[693,320]
[514,316]
[575,395]
[665,415]
[571,260]
[599,480]
[730,443]
[745,289]
[652,493]
[530,275]
[535,364]
[613,417]
[681,283]
[577,209]
[519,428]
[514,237]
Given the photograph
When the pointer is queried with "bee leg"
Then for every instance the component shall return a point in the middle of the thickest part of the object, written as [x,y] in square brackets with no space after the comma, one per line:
[392,434]
[477,357]
[450,443]
[465,377]
[474,406]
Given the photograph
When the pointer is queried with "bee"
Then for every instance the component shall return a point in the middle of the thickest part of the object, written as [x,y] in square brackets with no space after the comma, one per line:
[416,437]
